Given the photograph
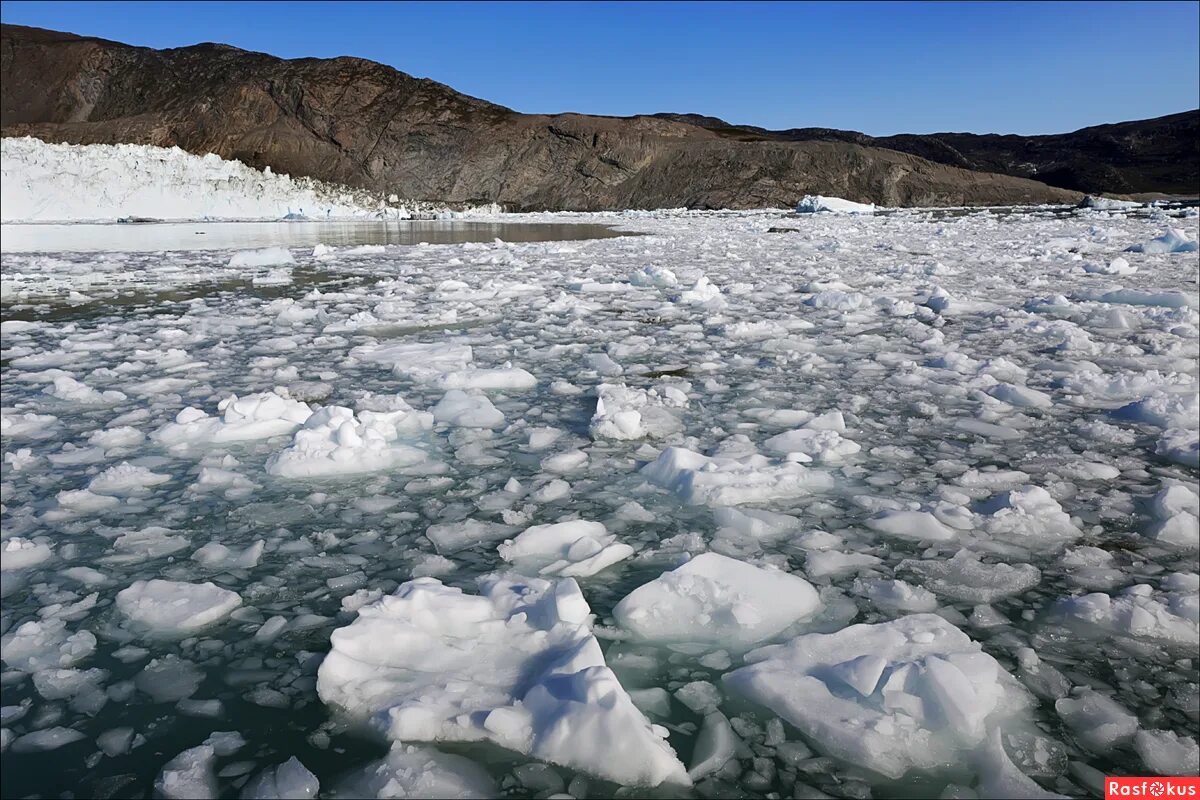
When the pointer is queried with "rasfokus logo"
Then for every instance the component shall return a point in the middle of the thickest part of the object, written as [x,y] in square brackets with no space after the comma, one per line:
[1151,787]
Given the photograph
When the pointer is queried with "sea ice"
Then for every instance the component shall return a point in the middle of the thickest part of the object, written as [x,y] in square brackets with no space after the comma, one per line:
[897,696]
[726,481]
[337,441]
[624,412]
[516,665]
[568,549]
[256,416]
[717,601]
[173,608]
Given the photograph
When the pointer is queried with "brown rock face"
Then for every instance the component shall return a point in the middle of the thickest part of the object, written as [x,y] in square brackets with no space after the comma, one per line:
[1151,155]
[366,125]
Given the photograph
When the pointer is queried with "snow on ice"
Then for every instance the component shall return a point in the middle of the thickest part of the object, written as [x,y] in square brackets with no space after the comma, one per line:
[895,502]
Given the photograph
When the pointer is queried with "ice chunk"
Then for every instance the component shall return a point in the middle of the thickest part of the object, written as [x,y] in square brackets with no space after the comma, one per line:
[568,549]
[1175,509]
[626,413]
[818,445]
[758,523]
[1136,613]
[1021,396]
[966,579]
[718,601]
[509,378]
[654,276]
[1098,722]
[451,537]
[189,775]
[726,481]
[463,410]
[255,416]
[64,387]
[45,644]
[896,595]
[516,665]
[999,777]
[930,701]
[264,257]
[26,425]
[1167,753]
[920,526]
[1180,446]
[409,771]
[1029,517]
[1173,241]
[815,203]
[46,739]
[287,781]
[18,553]
[716,745]
[418,361]
[337,441]
[703,292]
[172,608]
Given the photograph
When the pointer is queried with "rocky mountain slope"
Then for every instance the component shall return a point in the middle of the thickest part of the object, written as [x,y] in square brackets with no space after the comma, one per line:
[1151,155]
[363,124]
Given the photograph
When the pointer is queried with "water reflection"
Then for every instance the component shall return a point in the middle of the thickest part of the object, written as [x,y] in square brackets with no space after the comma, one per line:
[141,237]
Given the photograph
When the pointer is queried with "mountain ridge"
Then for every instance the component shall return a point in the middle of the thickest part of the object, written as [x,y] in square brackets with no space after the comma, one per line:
[367,125]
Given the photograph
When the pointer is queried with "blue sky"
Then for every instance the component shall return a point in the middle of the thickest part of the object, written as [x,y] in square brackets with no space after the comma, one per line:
[876,67]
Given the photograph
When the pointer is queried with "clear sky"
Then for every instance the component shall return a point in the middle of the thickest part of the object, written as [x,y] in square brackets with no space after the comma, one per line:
[1009,67]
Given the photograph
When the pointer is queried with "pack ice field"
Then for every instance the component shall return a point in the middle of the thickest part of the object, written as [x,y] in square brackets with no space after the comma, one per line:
[748,504]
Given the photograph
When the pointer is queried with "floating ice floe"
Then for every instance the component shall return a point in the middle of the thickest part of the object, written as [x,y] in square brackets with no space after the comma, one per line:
[125,479]
[912,694]
[896,596]
[1167,753]
[815,203]
[1139,614]
[624,412]
[424,363]
[1173,241]
[174,608]
[26,425]
[19,553]
[45,644]
[717,601]
[967,579]
[703,292]
[654,276]
[255,416]
[919,526]
[1098,722]
[408,771]
[64,387]
[467,410]
[516,665]
[506,378]
[1180,446]
[1107,203]
[337,441]
[290,780]
[1117,266]
[1029,518]
[728,481]
[263,257]
[566,549]
[1176,512]
[813,444]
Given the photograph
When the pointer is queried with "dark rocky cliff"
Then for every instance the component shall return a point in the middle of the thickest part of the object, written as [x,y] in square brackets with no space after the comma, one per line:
[367,125]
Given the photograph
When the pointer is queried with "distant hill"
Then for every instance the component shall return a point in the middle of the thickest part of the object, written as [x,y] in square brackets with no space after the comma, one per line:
[1151,155]
[363,124]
